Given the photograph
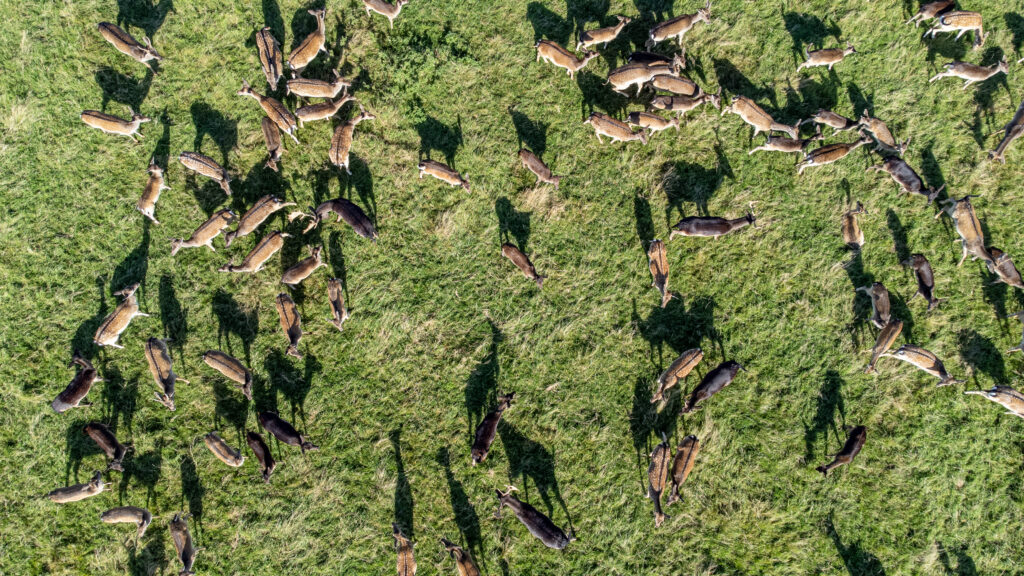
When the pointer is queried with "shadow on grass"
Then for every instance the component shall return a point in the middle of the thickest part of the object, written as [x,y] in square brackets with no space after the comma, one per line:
[548,25]
[481,385]
[964,563]
[123,89]
[272,19]
[231,410]
[78,446]
[286,378]
[192,490]
[233,320]
[221,129]
[809,33]
[858,562]
[644,222]
[532,134]
[134,266]
[982,356]
[152,558]
[528,459]
[82,340]
[435,135]
[403,490]
[465,515]
[984,98]
[512,223]
[828,403]
[688,182]
[119,400]
[899,235]
[598,95]
[173,316]
[145,470]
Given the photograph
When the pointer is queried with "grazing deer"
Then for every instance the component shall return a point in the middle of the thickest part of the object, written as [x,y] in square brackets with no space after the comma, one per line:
[78,388]
[853,236]
[184,549]
[129,515]
[710,226]
[160,366]
[263,456]
[126,44]
[106,440]
[968,227]
[151,193]
[682,464]
[79,491]
[1014,128]
[224,452]
[675,84]
[683,104]
[754,115]
[274,110]
[336,297]
[322,110]
[341,142]
[385,9]
[258,256]
[291,323]
[925,279]
[284,431]
[881,308]
[303,268]
[208,167]
[488,428]
[559,56]
[1006,397]
[677,27]
[114,125]
[311,45]
[786,144]
[830,153]
[272,136]
[271,59]
[1002,266]
[959,21]
[652,122]
[231,368]
[931,10]
[713,383]
[534,164]
[117,322]
[309,88]
[971,73]
[676,372]
[606,35]
[883,136]
[657,261]
[926,361]
[207,231]
[616,130]
[345,210]
[522,261]
[463,561]
[403,547]
[886,337]
[625,77]
[837,122]
[255,216]
[443,172]
[535,521]
[657,477]
[906,177]
[854,442]
[825,57]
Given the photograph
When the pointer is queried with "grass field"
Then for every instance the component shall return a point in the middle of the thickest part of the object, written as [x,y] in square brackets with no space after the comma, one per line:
[441,323]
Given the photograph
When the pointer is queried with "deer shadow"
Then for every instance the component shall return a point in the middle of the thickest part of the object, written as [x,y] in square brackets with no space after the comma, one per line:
[233,320]
[655,10]
[899,235]
[533,134]
[403,490]
[264,398]
[145,469]
[481,386]
[82,341]
[512,223]
[548,25]
[528,459]
[1015,23]
[688,182]
[231,409]
[462,508]
[858,562]
[222,130]
[984,98]
[144,14]
[78,446]
[286,379]
[162,151]
[192,489]
[810,96]
[679,328]
[362,181]
[259,182]
[133,268]
[119,400]
[580,12]
[435,135]
[861,305]
[861,102]
[172,315]
[828,403]
[931,170]
[272,19]
[981,355]
[123,89]
[994,292]
[152,559]
[336,260]
[964,563]
[644,222]
[947,46]
[735,83]
[647,421]
[208,194]
[598,95]
[808,31]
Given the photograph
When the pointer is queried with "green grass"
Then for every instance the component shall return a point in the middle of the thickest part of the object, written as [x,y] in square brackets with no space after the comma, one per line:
[441,323]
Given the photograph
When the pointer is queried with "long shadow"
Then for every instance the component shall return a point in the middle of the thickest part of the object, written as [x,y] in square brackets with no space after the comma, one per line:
[735,83]
[272,18]
[435,135]
[336,260]
[221,129]
[145,469]
[947,46]
[173,316]
[286,378]
[931,170]
[82,340]
[858,561]
[646,422]
[119,400]
[548,25]
[78,446]
[644,222]
[302,24]
[655,10]
[162,150]
[859,100]
[465,515]
[192,489]
[861,302]
[233,320]
[981,355]
[984,97]
[134,266]
[362,181]
[481,386]
[152,558]
[231,409]
[828,403]
[901,310]
[899,235]
[264,398]
[598,95]
[812,96]
[123,89]
[808,30]
[208,194]
[964,563]
[580,12]
[531,460]
[688,182]
[994,292]
[679,329]
[1015,23]
[144,14]
[512,223]
[403,490]
[258,182]
[531,133]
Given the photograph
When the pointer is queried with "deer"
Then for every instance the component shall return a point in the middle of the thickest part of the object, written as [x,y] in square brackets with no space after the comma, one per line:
[971,73]
[311,46]
[126,44]
[559,56]
[385,9]
[677,27]
[269,51]
[754,115]
[117,322]
[114,125]
[825,57]
[274,110]
[605,35]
